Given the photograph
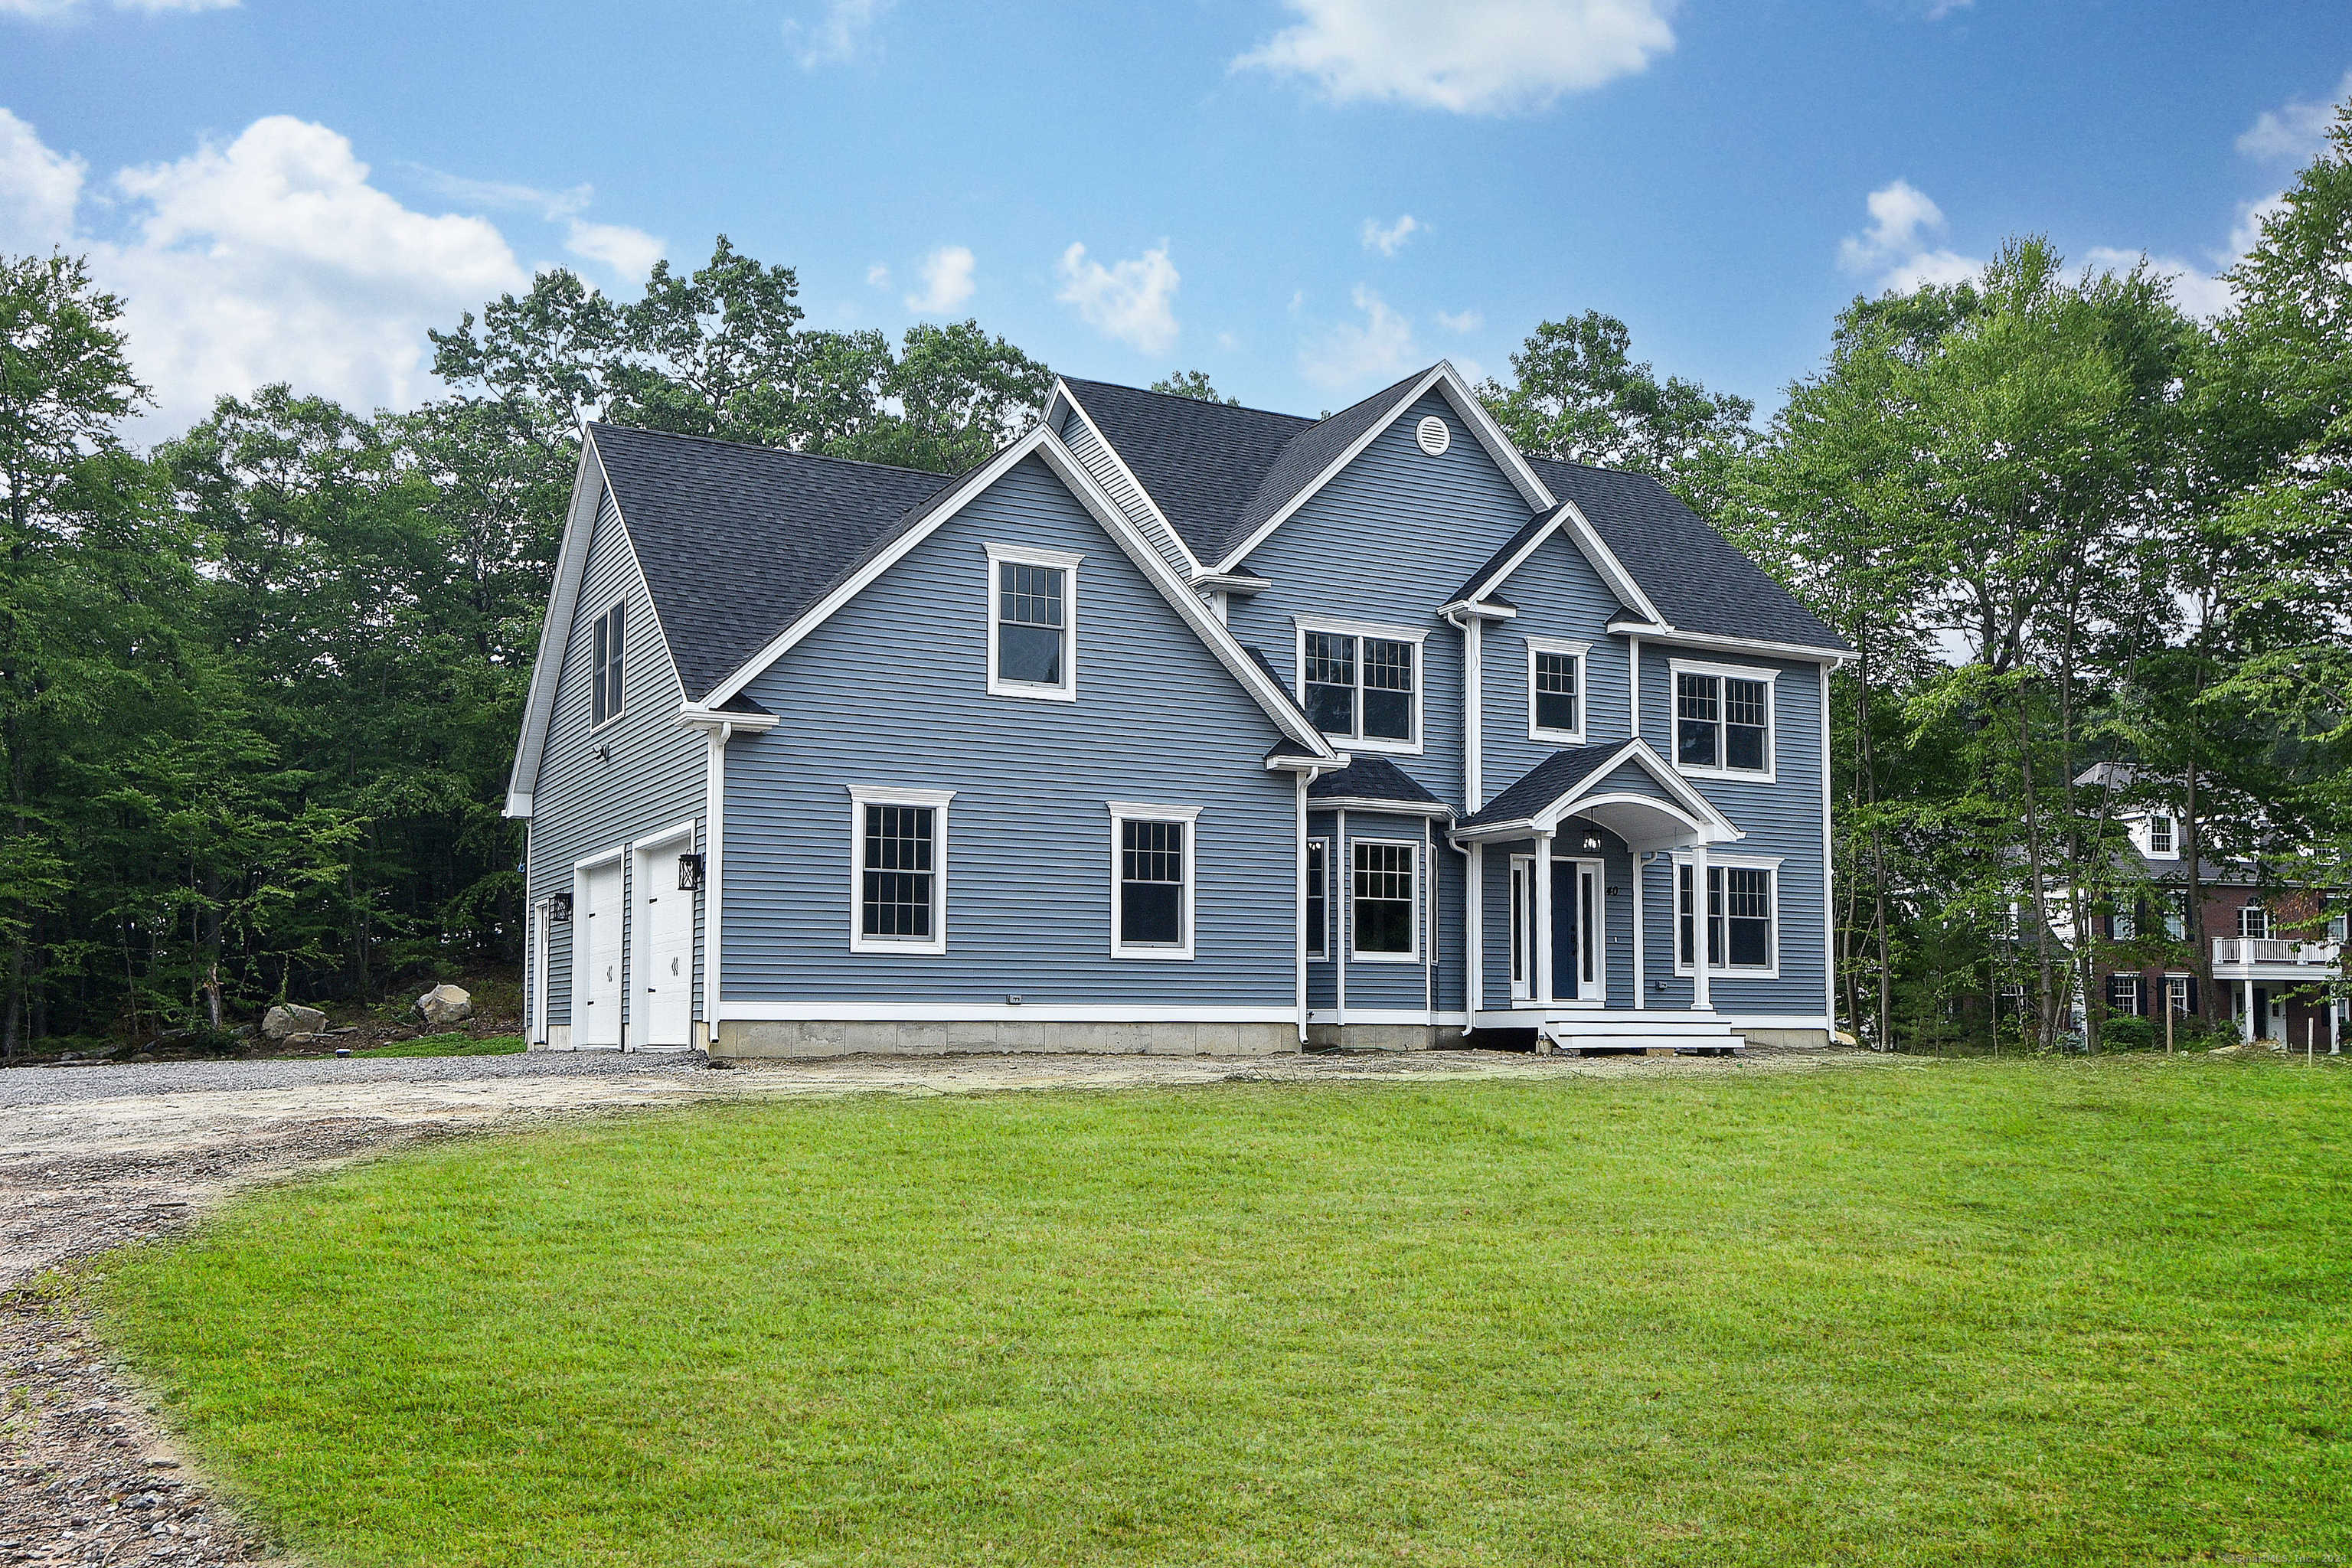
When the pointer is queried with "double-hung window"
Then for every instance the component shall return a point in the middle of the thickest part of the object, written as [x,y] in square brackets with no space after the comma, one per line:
[1319,898]
[2255,921]
[1362,684]
[2123,994]
[1383,913]
[1556,689]
[898,869]
[604,701]
[2159,836]
[1153,857]
[1723,720]
[1742,919]
[1033,619]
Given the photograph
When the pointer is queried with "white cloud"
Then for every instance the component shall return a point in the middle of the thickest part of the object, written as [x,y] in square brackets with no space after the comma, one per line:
[2295,130]
[1472,56]
[1895,245]
[629,252]
[2247,231]
[41,10]
[947,282]
[877,275]
[1129,300]
[2195,291]
[1389,239]
[1467,322]
[1351,352]
[837,34]
[1939,9]
[274,258]
[39,190]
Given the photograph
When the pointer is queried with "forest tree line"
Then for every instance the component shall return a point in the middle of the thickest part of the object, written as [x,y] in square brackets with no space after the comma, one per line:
[259,683]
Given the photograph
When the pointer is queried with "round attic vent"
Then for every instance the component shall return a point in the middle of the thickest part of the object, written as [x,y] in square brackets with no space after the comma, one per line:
[1432,434]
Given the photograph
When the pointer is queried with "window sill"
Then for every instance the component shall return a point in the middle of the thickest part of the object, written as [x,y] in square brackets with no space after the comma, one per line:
[1163,954]
[1383,958]
[1034,693]
[871,944]
[1714,974]
[1557,737]
[1734,776]
[1386,748]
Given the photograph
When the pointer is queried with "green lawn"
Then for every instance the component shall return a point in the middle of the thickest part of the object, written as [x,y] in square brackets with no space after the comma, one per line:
[2094,1311]
[449,1045]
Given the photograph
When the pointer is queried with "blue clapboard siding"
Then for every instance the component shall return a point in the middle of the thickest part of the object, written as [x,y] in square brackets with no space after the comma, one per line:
[1387,541]
[652,780]
[1784,819]
[893,691]
[1559,594]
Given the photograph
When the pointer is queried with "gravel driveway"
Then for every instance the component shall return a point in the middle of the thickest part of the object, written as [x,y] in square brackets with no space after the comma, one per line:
[92,1157]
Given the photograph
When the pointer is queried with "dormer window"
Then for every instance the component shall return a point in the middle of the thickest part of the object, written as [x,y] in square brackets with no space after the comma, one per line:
[2159,836]
[1033,618]
[1361,684]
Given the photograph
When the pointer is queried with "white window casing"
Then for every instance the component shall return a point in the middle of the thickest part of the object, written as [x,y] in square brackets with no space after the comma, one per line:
[1318,932]
[1361,632]
[1715,676]
[1065,565]
[608,690]
[934,941]
[1391,856]
[1145,815]
[1718,860]
[1559,647]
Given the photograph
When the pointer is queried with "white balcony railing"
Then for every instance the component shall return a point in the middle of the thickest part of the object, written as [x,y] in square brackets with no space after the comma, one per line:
[2237,952]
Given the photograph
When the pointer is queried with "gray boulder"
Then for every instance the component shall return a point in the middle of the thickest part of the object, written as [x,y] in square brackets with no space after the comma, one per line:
[445,1004]
[289,1018]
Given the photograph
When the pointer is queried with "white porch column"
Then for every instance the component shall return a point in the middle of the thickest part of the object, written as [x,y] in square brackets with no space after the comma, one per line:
[1639,1001]
[714,874]
[1543,996]
[2247,1013]
[1474,740]
[1339,885]
[1700,1000]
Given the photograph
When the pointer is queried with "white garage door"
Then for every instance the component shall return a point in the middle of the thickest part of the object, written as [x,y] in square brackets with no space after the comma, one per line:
[596,971]
[666,990]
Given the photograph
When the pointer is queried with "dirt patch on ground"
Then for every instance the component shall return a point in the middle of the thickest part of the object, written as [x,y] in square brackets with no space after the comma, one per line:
[122,1153]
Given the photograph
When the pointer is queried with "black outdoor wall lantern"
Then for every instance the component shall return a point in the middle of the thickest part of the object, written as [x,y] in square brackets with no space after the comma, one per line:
[558,909]
[690,872]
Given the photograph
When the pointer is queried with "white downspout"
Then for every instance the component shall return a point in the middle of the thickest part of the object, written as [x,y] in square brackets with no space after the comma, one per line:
[1473,687]
[1634,690]
[1473,932]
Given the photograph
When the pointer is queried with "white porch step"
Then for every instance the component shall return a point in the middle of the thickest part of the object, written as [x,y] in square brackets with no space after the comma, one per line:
[1632,1034]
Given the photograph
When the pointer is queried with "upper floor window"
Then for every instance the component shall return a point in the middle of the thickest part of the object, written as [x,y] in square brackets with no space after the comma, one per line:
[2160,835]
[1032,614]
[1556,689]
[606,702]
[1362,684]
[1723,720]
[2253,921]
[898,882]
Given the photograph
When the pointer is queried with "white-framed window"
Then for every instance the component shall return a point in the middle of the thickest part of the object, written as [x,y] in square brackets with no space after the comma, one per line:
[2159,836]
[2122,995]
[1318,899]
[604,697]
[898,869]
[1743,915]
[2253,921]
[1362,683]
[1032,623]
[2176,992]
[1723,720]
[1384,913]
[1152,858]
[2336,924]
[1556,689]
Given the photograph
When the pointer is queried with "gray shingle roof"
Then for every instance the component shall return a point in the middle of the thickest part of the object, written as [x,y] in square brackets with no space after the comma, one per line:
[1698,578]
[1543,783]
[1371,778]
[1218,471]
[737,542]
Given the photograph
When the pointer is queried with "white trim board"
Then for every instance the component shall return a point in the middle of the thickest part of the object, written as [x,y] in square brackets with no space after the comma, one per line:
[817,1010]
[1061,395]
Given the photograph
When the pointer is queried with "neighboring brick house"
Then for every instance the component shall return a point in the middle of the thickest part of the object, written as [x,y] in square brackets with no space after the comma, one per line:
[2275,953]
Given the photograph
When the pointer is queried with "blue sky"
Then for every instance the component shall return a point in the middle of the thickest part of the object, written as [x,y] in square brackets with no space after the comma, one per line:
[296,191]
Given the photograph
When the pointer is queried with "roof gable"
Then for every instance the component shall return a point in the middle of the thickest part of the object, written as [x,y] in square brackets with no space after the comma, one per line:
[1199,462]
[1554,787]
[735,541]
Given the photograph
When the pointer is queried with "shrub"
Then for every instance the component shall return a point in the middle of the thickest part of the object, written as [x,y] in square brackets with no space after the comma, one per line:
[2127,1033]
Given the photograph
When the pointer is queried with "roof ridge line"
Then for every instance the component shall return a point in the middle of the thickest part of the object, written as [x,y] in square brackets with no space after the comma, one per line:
[779,451]
[1180,397]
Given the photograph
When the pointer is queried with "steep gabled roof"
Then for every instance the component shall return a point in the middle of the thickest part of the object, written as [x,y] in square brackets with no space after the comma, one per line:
[1564,782]
[1700,580]
[737,541]
[1545,782]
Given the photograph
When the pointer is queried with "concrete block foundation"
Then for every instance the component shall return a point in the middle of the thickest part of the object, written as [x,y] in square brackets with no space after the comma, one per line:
[746,1040]
[1378,1036]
